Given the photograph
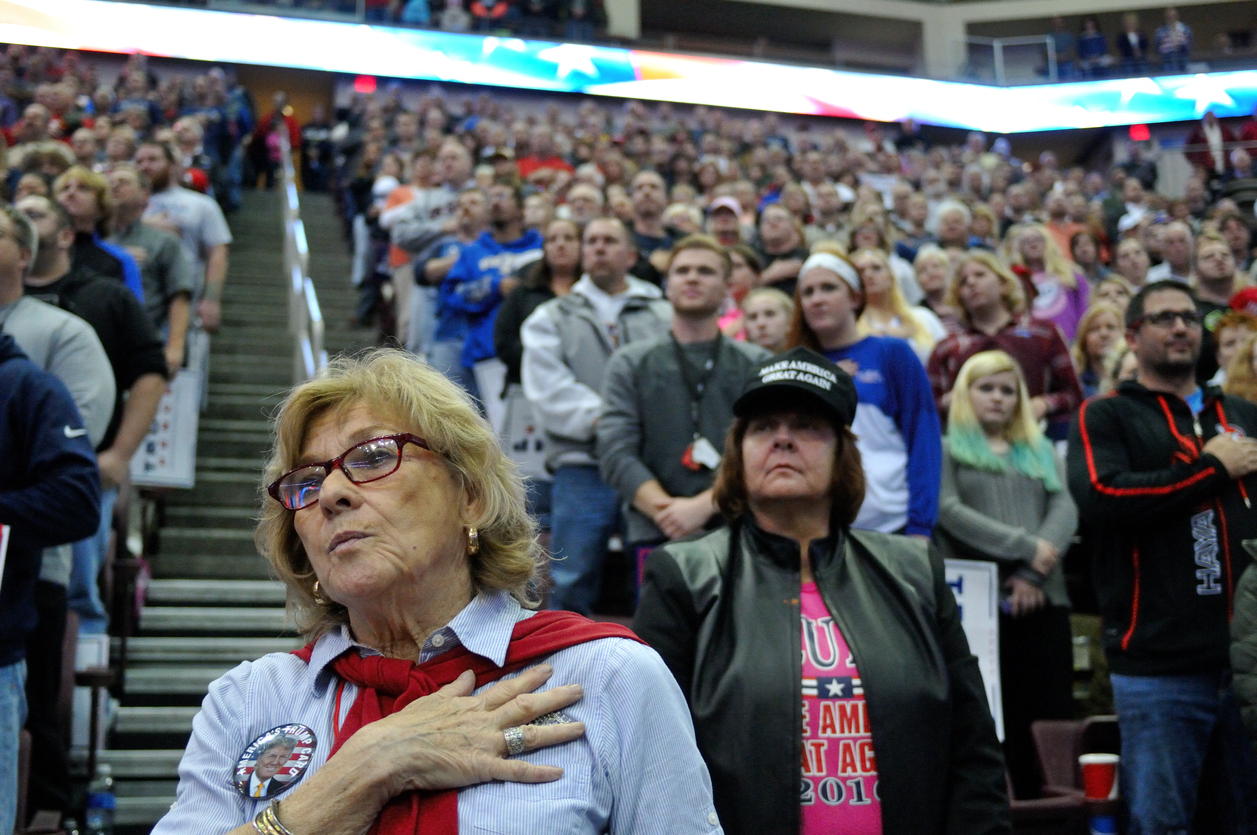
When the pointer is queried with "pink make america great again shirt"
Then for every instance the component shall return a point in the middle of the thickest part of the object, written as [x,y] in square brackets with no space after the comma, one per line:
[839,786]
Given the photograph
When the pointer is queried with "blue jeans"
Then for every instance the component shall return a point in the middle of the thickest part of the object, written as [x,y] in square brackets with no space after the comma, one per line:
[1167,723]
[539,493]
[423,304]
[446,356]
[83,593]
[584,513]
[12,718]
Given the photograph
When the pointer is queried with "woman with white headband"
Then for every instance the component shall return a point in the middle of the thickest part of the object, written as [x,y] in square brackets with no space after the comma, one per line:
[896,422]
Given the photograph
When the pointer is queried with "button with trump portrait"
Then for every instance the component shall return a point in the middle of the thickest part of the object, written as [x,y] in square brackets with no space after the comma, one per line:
[274,762]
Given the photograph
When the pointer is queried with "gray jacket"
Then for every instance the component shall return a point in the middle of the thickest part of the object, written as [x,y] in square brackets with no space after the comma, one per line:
[646,426]
[66,346]
[63,344]
[566,349]
[999,517]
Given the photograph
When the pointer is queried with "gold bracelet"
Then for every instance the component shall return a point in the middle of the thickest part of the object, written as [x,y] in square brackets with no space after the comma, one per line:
[267,821]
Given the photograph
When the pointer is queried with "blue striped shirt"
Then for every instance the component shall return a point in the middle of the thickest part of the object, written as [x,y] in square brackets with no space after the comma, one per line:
[636,770]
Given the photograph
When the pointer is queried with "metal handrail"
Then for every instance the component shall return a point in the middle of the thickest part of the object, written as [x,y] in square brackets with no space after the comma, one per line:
[305,317]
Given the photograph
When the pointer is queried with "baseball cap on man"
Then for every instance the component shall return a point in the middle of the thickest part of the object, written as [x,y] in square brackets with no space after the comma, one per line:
[726,202]
[799,373]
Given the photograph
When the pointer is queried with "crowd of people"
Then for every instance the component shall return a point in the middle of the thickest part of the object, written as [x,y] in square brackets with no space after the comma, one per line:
[1088,54]
[603,281]
[572,20]
[1003,355]
[115,253]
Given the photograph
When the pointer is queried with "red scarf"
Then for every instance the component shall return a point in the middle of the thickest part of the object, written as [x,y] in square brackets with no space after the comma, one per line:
[386,685]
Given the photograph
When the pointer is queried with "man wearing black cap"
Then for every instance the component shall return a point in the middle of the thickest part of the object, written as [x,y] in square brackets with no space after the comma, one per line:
[869,614]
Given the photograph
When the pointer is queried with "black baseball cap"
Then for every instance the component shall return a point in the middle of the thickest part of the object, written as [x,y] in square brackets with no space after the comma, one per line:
[799,373]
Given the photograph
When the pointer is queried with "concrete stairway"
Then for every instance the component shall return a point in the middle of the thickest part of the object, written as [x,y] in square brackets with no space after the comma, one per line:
[212,603]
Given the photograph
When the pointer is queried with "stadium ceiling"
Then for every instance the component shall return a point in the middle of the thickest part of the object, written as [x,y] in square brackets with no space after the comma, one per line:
[105,26]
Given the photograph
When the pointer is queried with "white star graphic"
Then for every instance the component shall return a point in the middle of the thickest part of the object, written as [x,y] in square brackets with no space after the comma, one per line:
[1131,86]
[835,688]
[1206,91]
[570,58]
[491,43]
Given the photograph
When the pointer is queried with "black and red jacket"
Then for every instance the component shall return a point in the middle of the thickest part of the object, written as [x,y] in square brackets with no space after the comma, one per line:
[1164,525]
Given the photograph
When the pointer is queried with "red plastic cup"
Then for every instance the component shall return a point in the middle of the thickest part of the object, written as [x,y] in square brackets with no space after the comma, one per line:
[1099,775]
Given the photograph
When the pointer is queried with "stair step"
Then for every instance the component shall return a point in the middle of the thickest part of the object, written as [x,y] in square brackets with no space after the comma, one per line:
[255,426]
[155,720]
[183,679]
[220,389]
[241,407]
[216,592]
[143,810]
[230,463]
[224,541]
[137,764]
[211,567]
[223,517]
[205,650]
[211,620]
[221,489]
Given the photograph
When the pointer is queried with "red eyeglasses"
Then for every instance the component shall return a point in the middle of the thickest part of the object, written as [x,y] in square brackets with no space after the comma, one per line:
[362,463]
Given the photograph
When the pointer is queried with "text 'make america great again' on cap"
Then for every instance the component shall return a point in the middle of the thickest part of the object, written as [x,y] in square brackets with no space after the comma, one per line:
[803,372]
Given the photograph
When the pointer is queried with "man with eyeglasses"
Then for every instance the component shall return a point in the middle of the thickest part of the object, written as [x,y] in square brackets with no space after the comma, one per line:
[1162,472]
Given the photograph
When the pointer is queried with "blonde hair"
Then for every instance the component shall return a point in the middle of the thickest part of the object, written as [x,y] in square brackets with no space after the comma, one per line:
[1241,380]
[832,247]
[1031,453]
[1011,292]
[396,385]
[895,301]
[100,188]
[1079,350]
[1113,367]
[930,252]
[784,301]
[1055,263]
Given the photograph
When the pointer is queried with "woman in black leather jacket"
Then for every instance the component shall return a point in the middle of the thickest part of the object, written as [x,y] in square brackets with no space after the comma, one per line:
[797,640]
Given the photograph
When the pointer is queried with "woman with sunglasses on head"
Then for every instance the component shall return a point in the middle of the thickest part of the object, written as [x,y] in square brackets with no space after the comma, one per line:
[399,530]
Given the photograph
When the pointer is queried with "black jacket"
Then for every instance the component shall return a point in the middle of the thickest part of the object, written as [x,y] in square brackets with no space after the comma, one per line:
[723,611]
[1164,524]
[519,304]
[131,341]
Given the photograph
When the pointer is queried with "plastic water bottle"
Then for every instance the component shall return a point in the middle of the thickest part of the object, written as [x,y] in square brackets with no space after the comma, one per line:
[100,803]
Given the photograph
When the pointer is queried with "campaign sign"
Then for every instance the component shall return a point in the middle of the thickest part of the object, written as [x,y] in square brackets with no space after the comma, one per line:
[976,586]
[167,456]
[274,762]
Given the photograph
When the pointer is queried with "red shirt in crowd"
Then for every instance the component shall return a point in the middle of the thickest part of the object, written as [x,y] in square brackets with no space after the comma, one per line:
[530,164]
[1039,349]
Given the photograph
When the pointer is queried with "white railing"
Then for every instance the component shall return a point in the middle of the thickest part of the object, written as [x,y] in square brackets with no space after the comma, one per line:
[1005,61]
[305,319]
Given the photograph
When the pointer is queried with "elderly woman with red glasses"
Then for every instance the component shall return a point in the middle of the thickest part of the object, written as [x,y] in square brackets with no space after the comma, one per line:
[431,690]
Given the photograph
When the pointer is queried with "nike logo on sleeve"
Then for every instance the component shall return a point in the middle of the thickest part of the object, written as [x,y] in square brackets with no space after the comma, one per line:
[74,433]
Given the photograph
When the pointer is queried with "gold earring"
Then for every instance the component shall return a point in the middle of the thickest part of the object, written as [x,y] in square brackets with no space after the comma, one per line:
[318,595]
[473,542]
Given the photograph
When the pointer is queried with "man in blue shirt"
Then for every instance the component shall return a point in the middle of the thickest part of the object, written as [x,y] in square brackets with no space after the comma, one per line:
[445,353]
[49,495]
[483,275]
